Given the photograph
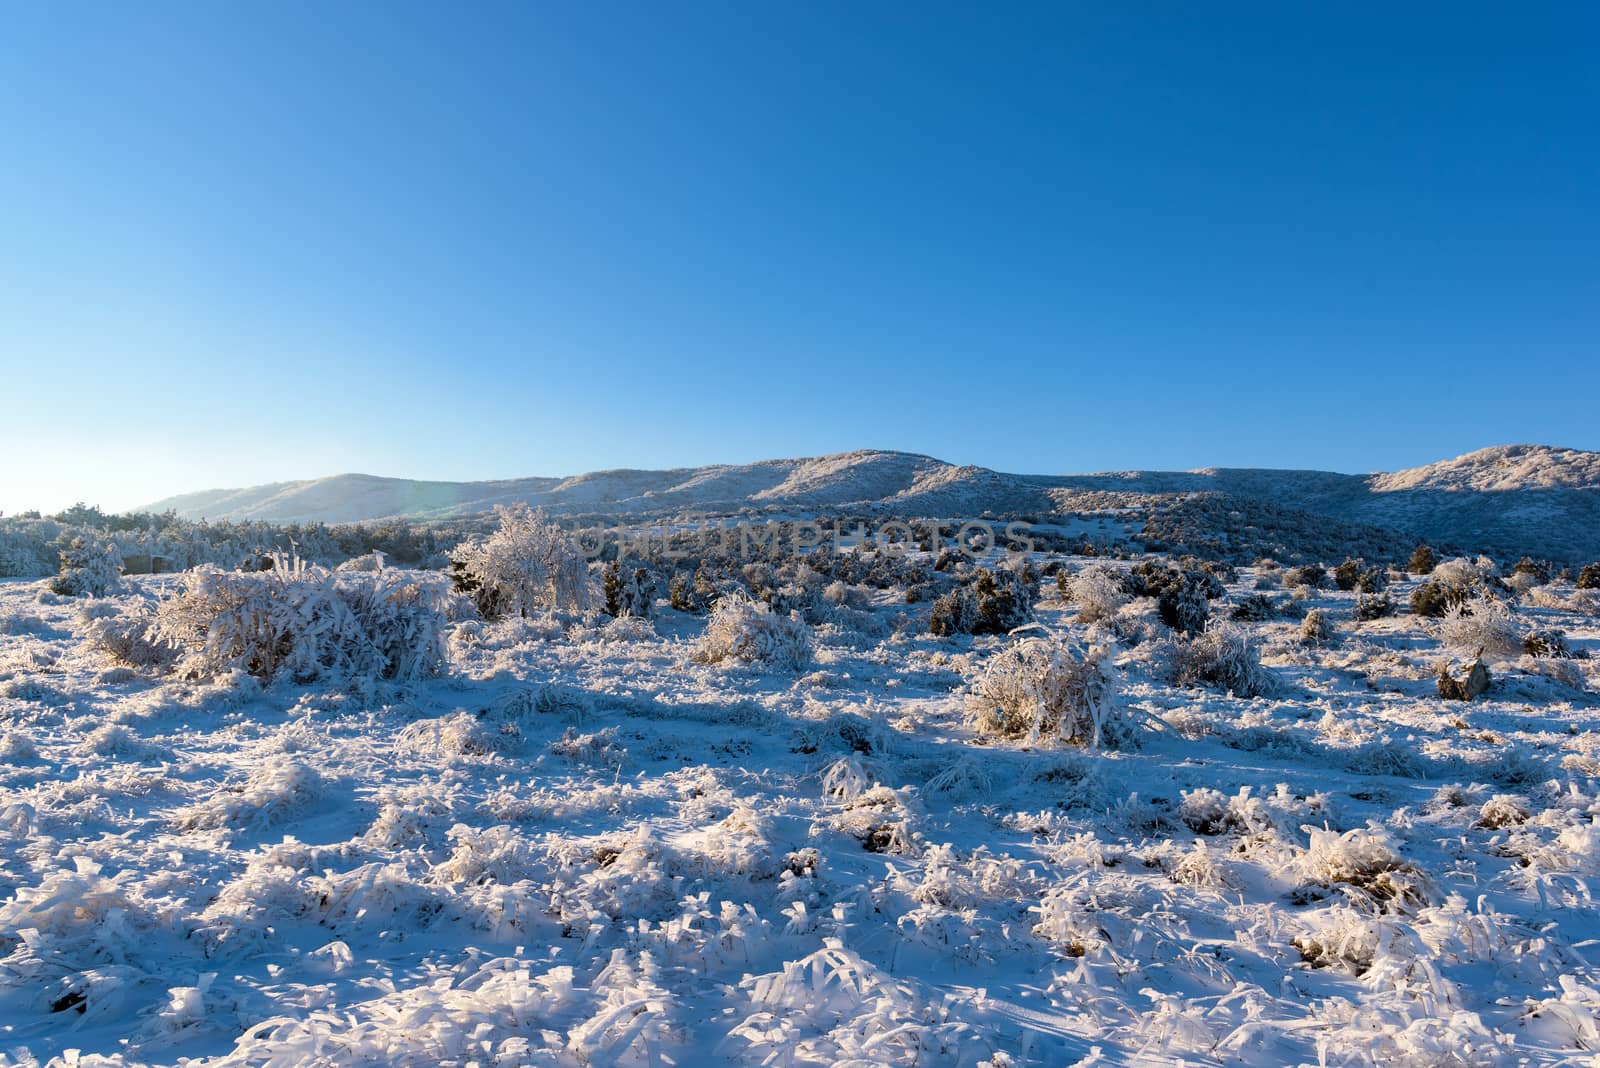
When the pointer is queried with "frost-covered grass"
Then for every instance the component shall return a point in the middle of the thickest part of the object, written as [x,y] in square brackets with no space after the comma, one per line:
[585,843]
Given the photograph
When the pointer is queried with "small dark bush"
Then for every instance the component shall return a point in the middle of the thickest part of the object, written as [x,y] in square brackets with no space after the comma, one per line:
[1547,643]
[1256,608]
[1313,575]
[1422,561]
[1373,580]
[1004,601]
[1434,599]
[1370,606]
[953,613]
[1589,577]
[1348,574]
[995,602]
[1184,608]
[1529,566]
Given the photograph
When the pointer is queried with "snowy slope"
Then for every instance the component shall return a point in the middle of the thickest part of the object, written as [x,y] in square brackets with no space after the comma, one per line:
[582,846]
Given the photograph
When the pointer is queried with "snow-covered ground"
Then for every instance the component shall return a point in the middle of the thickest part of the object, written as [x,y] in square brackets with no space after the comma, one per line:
[581,846]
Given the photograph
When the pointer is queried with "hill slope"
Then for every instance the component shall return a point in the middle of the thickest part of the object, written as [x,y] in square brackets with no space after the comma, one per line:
[1507,499]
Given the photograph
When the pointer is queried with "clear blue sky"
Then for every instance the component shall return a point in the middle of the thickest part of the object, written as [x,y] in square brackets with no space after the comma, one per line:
[249,242]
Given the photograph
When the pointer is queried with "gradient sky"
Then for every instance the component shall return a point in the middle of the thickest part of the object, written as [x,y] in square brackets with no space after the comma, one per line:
[243,243]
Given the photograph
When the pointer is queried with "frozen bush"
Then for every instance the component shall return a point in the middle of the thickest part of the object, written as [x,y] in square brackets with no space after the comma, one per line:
[953,613]
[1098,593]
[1225,656]
[1434,599]
[458,734]
[1370,606]
[1312,575]
[1589,577]
[1502,810]
[304,623]
[1183,607]
[90,567]
[1565,672]
[1259,608]
[1548,642]
[627,591]
[1348,574]
[1039,688]
[1363,858]
[1316,628]
[527,565]
[271,794]
[1482,624]
[746,630]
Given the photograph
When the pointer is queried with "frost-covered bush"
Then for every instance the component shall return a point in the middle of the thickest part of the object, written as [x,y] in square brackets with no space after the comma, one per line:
[1548,642]
[1183,607]
[90,567]
[1453,583]
[1316,628]
[1347,574]
[1225,656]
[1312,575]
[1259,608]
[126,639]
[1097,591]
[995,602]
[305,623]
[743,629]
[1589,577]
[627,591]
[1370,606]
[527,565]
[1363,858]
[22,556]
[272,793]
[1483,623]
[1038,688]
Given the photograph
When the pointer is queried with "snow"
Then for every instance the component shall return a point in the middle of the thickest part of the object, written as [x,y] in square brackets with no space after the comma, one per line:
[582,844]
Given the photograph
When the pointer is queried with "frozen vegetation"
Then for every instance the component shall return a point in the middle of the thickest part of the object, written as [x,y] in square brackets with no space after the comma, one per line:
[754,810]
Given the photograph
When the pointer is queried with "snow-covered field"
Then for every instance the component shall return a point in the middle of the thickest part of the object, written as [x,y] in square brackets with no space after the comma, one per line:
[581,845]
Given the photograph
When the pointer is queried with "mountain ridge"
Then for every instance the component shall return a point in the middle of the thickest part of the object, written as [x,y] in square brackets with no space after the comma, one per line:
[1540,496]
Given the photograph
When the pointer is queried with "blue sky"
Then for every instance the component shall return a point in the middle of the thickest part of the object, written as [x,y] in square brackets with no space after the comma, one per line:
[243,243]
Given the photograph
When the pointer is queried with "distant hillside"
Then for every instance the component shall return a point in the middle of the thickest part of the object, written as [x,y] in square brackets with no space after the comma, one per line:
[1508,499]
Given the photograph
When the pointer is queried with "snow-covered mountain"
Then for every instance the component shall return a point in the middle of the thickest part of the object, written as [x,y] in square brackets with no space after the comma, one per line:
[1513,498]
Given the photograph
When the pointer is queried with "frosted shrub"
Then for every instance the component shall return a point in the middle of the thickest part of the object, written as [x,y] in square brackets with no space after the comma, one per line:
[458,734]
[22,557]
[1098,593]
[272,793]
[1039,688]
[1481,623]
[1370,606]
[125,638]
[1316,628]
[79,913]
[746,630]
[1363,858]
[995,602]
[305,623]
[525,566]
[1183,607]
[89,568]
[627,592]
[1226,657]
